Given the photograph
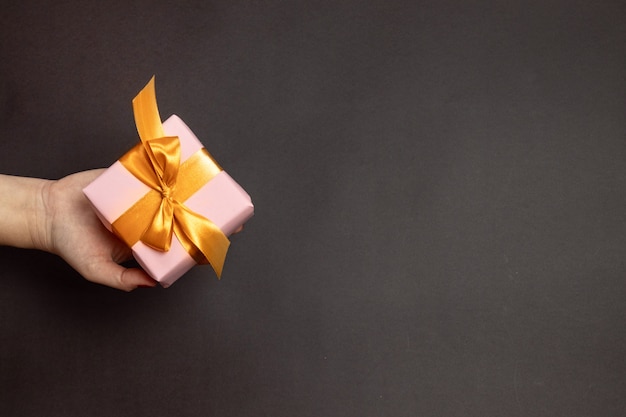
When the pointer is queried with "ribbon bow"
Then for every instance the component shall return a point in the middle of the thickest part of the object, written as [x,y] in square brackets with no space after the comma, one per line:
[161,213]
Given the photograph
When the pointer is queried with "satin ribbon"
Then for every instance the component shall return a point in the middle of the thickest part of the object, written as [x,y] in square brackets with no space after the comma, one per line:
[161,212]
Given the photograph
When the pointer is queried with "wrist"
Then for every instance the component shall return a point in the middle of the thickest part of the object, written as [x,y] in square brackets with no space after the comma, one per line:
[40,224]
[24,218]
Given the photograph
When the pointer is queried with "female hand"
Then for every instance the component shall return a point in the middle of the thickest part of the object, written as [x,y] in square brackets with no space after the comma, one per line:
[59,219]
[74,232]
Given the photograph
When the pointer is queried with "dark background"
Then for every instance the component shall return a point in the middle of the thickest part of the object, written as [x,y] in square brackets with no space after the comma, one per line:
[440,193]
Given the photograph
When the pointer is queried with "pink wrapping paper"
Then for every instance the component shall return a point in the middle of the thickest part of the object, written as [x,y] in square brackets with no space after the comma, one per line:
[221,200]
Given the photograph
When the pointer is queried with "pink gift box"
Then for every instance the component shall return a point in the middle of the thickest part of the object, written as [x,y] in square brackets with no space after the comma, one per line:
[221,200]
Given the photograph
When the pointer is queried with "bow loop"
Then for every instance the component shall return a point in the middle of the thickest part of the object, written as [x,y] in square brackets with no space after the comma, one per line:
[158,235]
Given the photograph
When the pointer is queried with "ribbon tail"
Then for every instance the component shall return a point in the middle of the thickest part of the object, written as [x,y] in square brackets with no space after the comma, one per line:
[146,112]
[201,238]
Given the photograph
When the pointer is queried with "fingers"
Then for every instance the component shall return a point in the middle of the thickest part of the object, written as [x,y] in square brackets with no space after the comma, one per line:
[136,277]
[116,276]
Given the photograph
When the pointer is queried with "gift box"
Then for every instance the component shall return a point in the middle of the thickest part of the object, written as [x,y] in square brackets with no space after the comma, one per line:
[168,199]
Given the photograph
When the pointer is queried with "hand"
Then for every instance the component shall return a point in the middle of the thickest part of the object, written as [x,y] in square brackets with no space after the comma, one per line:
[72,230]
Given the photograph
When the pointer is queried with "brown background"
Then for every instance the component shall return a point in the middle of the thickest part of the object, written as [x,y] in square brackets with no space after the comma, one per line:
[439,187]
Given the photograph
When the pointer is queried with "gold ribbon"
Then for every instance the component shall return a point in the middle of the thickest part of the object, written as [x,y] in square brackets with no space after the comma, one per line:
[159,213]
